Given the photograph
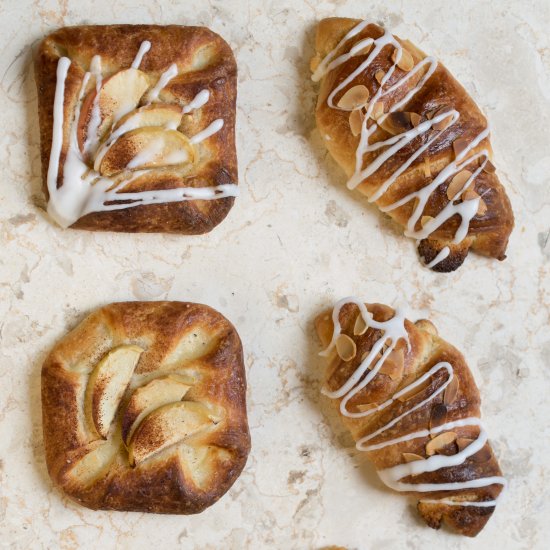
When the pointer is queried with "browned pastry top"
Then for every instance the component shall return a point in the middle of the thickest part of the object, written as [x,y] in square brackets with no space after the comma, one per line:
[144,408]
[490,228]
[405,408]
[203,60]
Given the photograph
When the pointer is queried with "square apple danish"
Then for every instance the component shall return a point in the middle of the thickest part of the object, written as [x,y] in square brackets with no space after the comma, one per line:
[144,408]
[137,127]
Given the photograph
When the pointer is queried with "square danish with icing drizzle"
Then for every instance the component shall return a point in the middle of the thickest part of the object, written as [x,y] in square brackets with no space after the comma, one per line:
[144,408]
[411,404]
[412,140]
[137,127]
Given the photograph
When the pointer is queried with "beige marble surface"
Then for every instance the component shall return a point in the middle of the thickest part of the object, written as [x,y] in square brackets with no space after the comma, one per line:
[294,242]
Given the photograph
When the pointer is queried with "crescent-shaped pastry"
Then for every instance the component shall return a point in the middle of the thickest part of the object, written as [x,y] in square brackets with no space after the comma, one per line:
[412,140]
[137,127]
[144,408]
[411,403]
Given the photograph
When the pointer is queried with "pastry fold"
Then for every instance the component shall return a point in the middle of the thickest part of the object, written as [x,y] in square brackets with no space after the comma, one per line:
[137,127]
[410,402]
[412,140]
[144,408]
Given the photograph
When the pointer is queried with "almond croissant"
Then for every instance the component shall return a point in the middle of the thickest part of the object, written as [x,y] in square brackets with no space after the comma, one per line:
[412,140]
[411,403]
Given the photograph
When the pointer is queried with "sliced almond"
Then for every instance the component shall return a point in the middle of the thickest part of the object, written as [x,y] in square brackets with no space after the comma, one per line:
[345,347]
[459,145]
[393,365]
[451,391]
[415,119]
[414,392]
[397,123]
[438,416]
[406,61]
[366,407]
[444,123]
[430,114]
[470,194]
[411,457]
[377,110]
[356,121]
[427,169]
[364,50]
[425,220]
[489,167]
[463,442]
[439,442]
[457,183]
[354,98]
[482,208]
[379,75]
[360,326]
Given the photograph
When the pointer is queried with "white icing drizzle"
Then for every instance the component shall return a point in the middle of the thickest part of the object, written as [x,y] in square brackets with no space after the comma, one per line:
[92,138]
[209,131]
[467,209]
[83,189]
[163,80]
[441,255]
[143,49]
[197,102]
[392,331]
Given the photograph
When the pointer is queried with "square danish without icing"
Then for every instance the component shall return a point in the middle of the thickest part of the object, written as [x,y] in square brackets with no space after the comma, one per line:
[137,127]
[144,408]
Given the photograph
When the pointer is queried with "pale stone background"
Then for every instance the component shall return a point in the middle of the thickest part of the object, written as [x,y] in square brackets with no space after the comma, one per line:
[295,241]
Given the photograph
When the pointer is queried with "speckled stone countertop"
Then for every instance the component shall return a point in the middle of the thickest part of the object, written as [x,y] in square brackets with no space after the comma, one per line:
[295,241]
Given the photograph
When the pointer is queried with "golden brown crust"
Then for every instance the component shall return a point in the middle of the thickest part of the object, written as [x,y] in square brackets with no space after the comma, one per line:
[488,233]
[205,61]
[427,349]
[187,340]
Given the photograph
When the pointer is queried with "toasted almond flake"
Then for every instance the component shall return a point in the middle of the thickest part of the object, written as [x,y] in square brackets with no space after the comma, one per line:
[415,392]
[463,442]
[470,194]
[377,110]
[354,98]
[425,220]
[438,416]
[366,407]
[379,76]
[451,391]
[356,121]
[360,326]
[364,50]
[406,62]
[393,365]
[345,347]
[437,443]
[444,123]
[427,169]
[396,123]
[457,183]
[482,208]
[415,119]
[459,145]
[489,167]
[430,114]
[411,457]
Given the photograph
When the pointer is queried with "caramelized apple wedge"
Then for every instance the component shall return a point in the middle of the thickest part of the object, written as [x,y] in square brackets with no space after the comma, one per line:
[119,94]
[149,397]
[167,426]
[150,147]
[106,386]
